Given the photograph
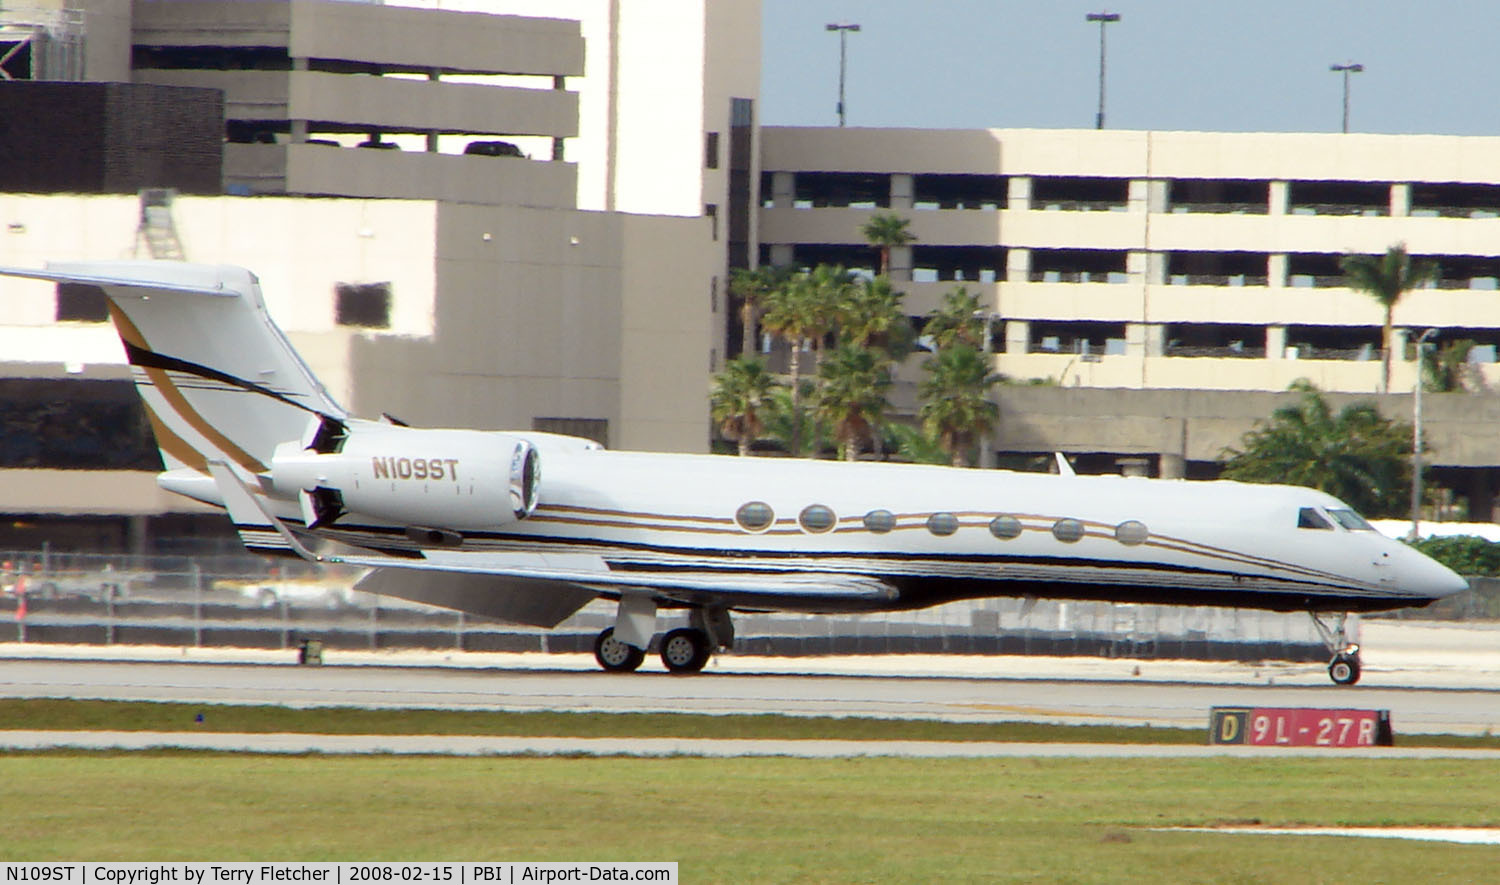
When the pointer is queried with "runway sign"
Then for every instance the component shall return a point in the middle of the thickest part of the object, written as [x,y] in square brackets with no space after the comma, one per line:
[1299,727]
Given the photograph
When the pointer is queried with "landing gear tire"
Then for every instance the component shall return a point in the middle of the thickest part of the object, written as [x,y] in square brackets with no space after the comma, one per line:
[616,656]
[685,650]
[1344,669]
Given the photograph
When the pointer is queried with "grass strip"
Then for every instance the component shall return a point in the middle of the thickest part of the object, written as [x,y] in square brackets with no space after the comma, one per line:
[91,715]
[764,820]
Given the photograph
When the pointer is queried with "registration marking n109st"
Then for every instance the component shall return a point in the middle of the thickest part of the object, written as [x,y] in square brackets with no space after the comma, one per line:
[415,468]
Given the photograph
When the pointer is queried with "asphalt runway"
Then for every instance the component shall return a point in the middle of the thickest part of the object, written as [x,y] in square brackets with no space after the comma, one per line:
[1089,691]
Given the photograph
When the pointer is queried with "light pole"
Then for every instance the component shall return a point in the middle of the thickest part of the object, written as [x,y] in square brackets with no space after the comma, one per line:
[1416,437]
[1346,70]
[843,28]
[1103,18]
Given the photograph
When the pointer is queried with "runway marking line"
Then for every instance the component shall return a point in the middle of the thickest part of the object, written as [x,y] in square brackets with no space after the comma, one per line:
[1462,835]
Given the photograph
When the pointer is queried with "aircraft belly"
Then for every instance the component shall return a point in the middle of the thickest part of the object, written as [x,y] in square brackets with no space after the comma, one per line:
[535,603]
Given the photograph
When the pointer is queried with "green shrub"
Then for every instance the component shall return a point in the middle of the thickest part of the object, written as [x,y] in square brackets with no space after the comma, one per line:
[1465,554]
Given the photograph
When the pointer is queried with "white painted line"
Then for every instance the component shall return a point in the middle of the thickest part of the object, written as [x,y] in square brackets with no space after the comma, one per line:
[1464,835]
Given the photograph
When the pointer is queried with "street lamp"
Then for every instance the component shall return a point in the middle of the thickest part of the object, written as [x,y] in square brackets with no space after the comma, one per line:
[1346,70]
[1103,18]
[1416,437]
[843,28]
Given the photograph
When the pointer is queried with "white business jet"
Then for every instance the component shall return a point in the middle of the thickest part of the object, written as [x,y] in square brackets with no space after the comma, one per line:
[528,527]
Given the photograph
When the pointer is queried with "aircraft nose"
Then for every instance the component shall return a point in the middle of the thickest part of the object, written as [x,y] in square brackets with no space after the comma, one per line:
[1428,577]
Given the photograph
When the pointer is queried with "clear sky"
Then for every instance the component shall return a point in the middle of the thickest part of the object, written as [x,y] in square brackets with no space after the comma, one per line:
[1430,67]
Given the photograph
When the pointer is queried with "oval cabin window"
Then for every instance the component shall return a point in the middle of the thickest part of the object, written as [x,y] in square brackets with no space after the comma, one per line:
[755,516]
[880,521]
[1068,530]
[1005,527]
[942,524]
[1131,532]
[816,518]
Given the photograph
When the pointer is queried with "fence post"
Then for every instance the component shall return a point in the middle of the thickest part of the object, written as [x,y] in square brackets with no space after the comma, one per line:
[197,605]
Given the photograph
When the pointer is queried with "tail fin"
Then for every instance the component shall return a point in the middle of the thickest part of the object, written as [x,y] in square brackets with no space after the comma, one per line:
[219,380]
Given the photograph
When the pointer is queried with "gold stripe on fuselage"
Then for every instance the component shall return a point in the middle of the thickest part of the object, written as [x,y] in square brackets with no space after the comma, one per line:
[643,521]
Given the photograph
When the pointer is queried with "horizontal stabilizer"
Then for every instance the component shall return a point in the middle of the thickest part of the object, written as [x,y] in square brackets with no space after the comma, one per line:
[258,529]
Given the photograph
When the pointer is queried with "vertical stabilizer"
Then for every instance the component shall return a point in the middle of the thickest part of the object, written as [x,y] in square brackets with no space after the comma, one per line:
[219,380]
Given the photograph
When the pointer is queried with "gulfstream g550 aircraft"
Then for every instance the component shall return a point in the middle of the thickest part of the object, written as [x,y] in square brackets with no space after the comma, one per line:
[528,527]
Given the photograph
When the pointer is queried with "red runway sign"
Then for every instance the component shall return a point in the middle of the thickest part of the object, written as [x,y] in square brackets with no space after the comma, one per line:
[1300,727]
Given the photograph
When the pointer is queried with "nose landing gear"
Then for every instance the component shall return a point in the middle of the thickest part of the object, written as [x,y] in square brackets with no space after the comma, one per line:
[1344,666]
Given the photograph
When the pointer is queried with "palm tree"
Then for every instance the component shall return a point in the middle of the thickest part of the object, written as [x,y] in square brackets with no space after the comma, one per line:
[741,396]
[885,231]
[790,427]
[802,309]
[788,317]
[1448,370]
[1356,455]
[751,287]
[852,396]
[1386,278]
[956,408]
[960,319]
[872,316]
[831,288]
[913,444]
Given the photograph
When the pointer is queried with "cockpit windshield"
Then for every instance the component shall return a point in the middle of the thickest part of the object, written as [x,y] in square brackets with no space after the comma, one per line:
[1310,518]
[1351,520]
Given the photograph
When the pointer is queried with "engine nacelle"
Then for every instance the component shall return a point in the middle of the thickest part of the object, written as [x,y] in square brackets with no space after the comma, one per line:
[465,480]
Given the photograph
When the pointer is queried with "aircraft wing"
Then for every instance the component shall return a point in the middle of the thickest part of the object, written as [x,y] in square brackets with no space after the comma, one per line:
[796,591]
[679,585]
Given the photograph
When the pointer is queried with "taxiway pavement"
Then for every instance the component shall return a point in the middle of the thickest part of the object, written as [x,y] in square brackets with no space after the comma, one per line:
[1434,678]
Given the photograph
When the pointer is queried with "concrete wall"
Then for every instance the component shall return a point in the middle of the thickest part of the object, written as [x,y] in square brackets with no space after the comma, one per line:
[1199,424]
[666,336]
[339,102]
[107,39]
[355,172]
[380,34]
[1137,154]
[559,314]
[300,249]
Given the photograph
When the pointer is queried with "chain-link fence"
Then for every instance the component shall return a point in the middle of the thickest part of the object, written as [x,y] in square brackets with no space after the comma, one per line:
[251,602]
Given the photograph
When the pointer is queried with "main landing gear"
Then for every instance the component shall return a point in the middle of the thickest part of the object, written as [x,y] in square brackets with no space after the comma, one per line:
[684,650]
[1343,668]
[622,648]
[616,656]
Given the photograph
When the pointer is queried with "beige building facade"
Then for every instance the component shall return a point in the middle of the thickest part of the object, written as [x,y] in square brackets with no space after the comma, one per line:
[440,287]
[488,316]
[1156,260]
[581,286]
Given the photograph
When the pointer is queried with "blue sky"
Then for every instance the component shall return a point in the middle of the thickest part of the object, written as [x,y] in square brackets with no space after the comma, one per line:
[1172,64]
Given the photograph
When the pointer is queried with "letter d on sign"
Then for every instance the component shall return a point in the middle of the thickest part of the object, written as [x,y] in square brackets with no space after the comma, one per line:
[1227,725]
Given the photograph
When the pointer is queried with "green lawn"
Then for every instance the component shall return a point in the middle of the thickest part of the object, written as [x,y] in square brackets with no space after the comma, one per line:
[70,715]
[760,820]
